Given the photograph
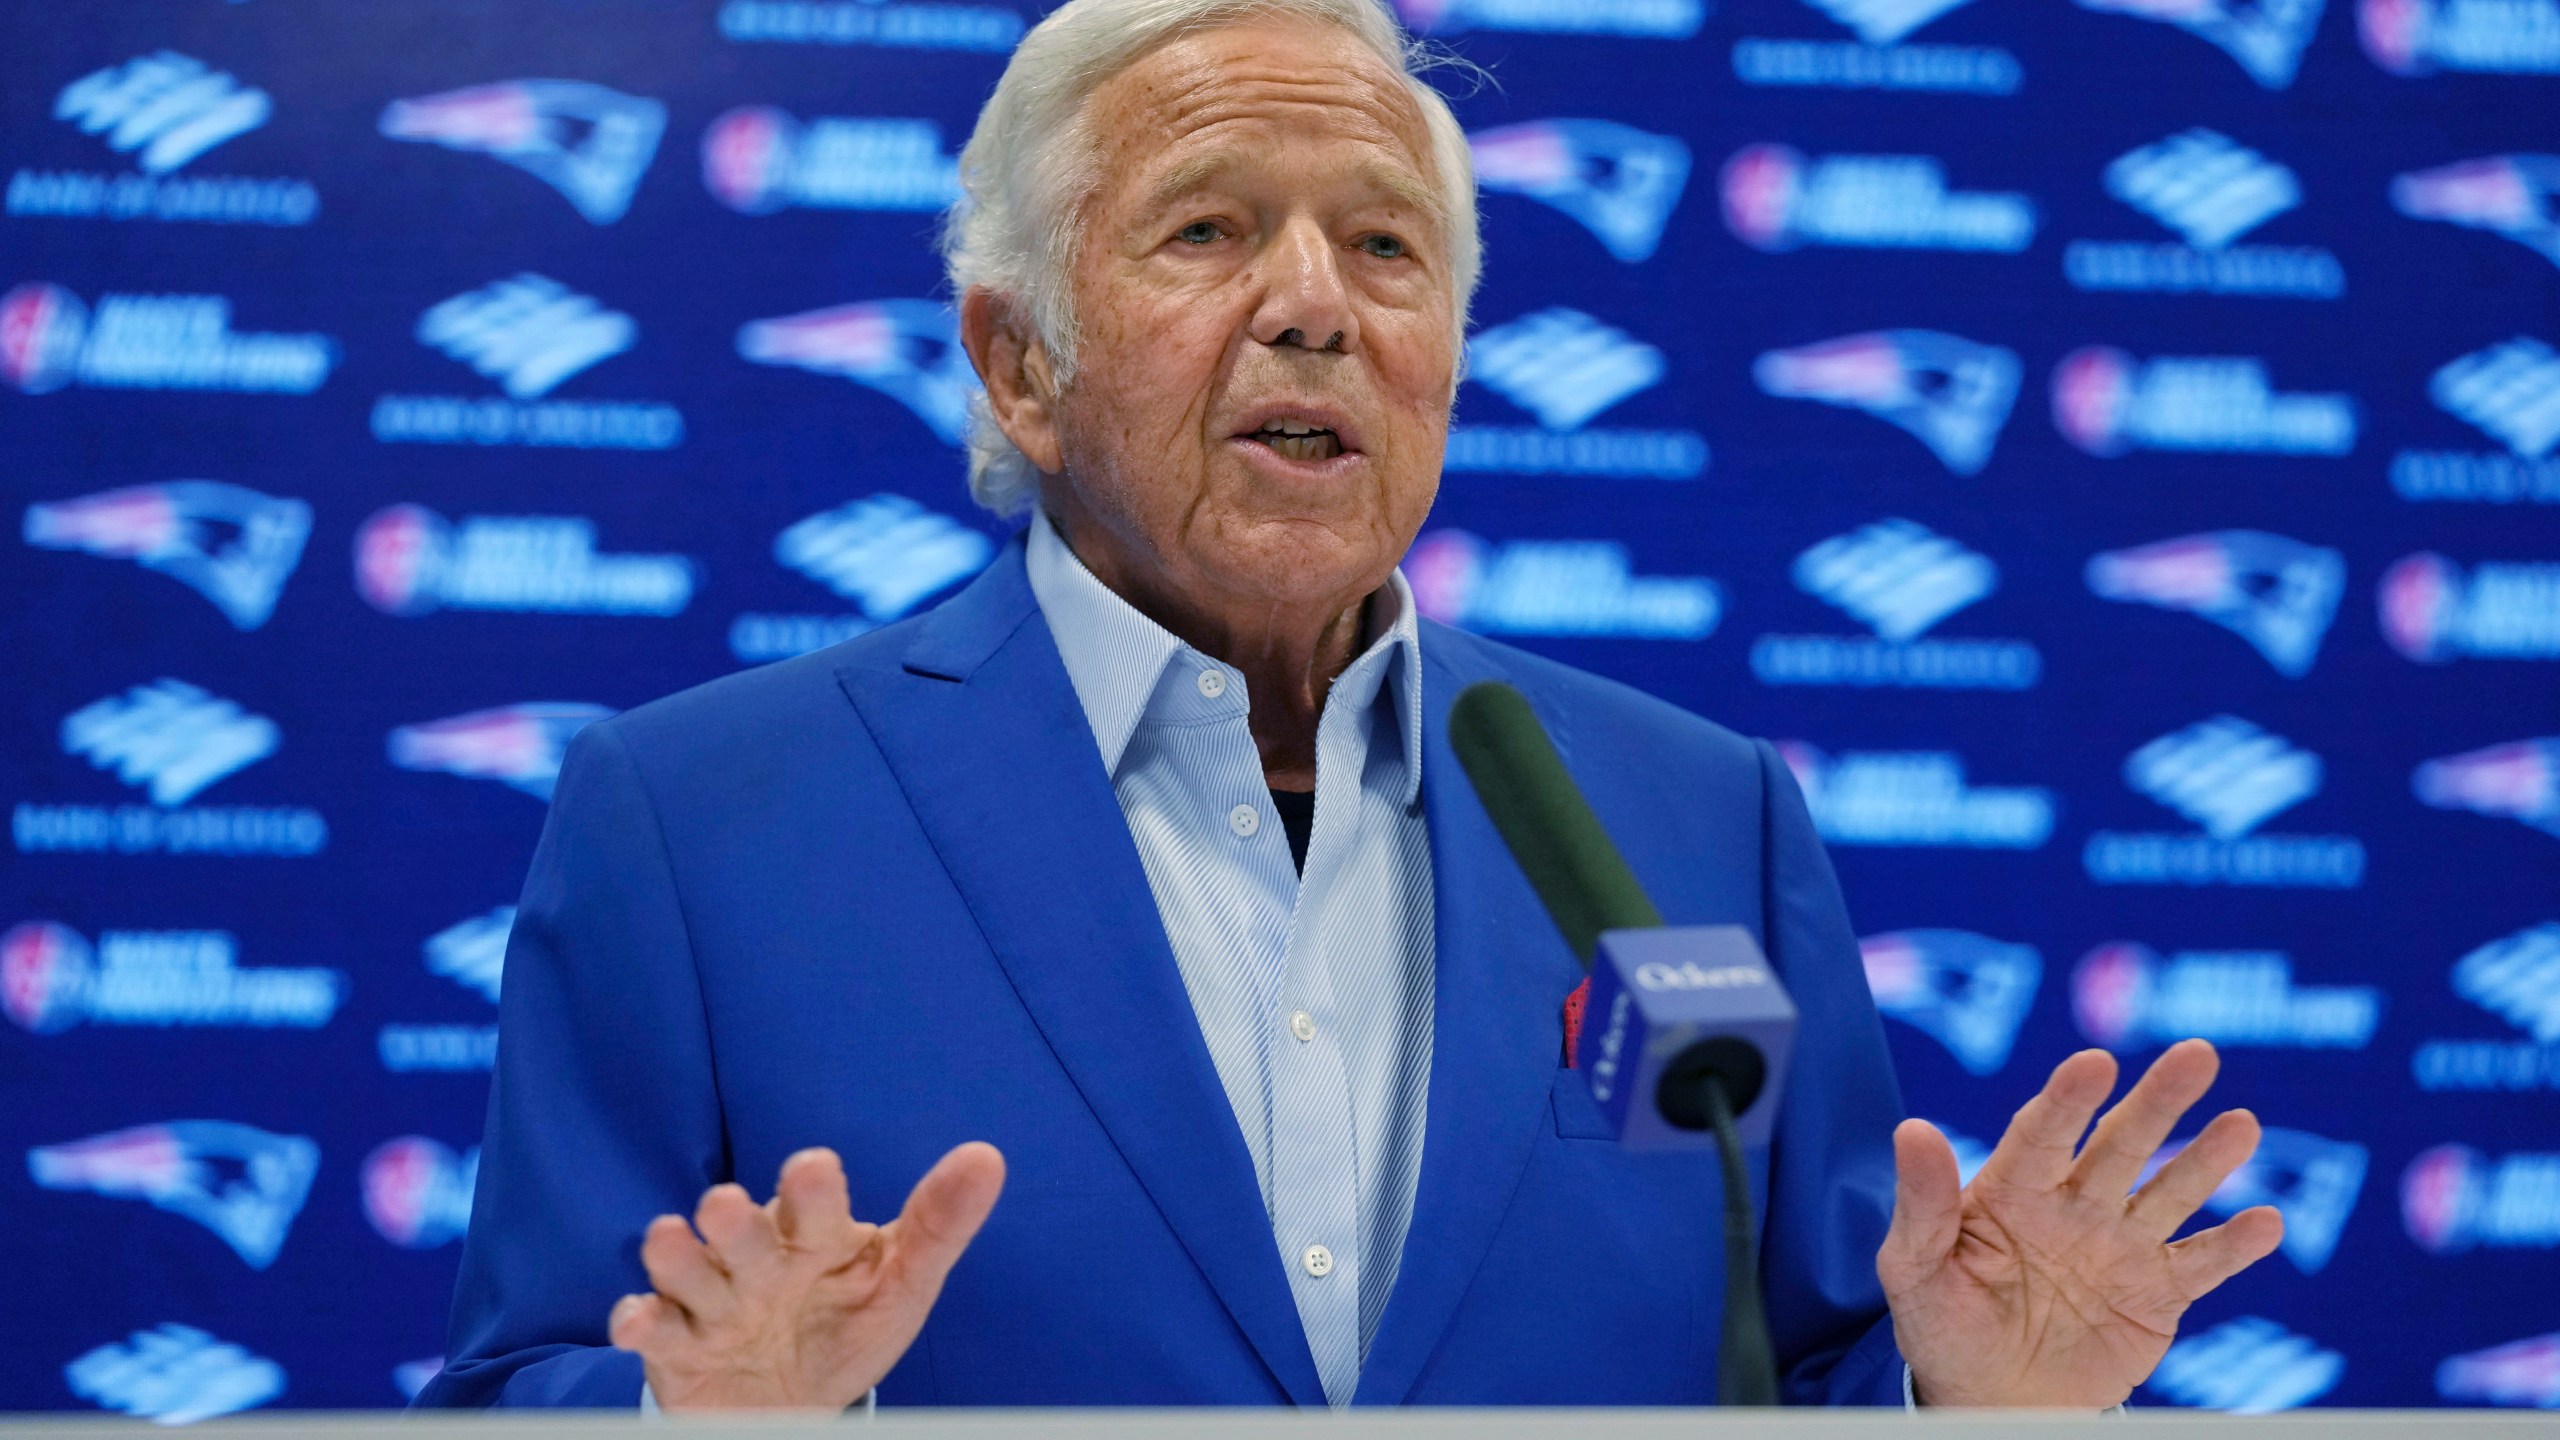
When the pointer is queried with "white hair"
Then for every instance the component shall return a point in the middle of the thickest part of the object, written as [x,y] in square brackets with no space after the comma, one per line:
[1032,162]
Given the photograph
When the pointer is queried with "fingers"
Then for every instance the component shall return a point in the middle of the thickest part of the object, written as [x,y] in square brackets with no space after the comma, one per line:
[2194,1173]
[681,1268]
[2035,1152]
[740,1232]
[946,1208]
[642,1323]
[1927,1206]
[812,1209]
[2205,1259]
[2134,1129]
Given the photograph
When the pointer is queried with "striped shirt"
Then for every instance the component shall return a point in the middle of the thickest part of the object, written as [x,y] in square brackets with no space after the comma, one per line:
[1312,990]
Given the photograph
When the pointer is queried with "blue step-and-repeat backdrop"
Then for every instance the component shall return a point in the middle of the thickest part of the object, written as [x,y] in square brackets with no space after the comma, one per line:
[2113,444]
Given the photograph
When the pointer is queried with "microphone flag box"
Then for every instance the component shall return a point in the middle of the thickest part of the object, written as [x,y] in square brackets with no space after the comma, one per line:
[1672,1000]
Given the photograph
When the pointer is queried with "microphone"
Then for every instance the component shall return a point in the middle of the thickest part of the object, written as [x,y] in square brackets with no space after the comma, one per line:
[1687,1045]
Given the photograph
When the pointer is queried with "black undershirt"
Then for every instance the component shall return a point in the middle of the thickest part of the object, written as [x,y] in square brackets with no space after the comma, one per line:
[1298,817]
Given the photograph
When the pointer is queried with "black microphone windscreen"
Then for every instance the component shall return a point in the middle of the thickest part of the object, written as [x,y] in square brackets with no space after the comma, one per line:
[1543,819]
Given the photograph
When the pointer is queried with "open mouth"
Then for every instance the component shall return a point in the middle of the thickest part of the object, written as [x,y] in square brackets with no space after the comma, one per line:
[1295,440]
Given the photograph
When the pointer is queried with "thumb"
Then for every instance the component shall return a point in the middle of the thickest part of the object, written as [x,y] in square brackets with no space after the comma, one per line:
[945,1210]
[1928,1206]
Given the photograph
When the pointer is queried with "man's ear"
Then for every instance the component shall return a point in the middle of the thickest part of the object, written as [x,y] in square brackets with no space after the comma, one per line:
[1013,364]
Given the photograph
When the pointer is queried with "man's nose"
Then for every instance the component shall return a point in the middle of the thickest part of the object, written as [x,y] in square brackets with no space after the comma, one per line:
[1305,304]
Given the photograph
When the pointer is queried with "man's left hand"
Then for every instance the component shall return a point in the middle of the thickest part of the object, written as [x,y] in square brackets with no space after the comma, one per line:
[2044,1282]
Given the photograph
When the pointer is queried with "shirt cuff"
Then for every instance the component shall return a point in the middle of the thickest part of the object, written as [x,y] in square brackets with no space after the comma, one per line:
[871,1400]
[1911,1400]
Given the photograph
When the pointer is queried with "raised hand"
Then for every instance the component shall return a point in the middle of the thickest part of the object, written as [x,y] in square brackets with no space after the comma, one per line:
[2043,1282]
[794,1304]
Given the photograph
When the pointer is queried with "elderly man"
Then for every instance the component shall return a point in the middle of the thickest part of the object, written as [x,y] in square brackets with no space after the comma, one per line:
[1145,859]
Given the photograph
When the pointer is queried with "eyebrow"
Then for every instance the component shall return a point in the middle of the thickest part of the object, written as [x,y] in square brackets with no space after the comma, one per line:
[1192,174]
[1200,171]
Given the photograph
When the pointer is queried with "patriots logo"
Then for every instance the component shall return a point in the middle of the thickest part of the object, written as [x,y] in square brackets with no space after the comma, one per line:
[2277,594]
[585,141]
[1950,393]
[2517,196]
[2519,781]
[908,350]
[517,745]
[2312,1181]
[2267,37]
[1968,992]
[1618,182]
[242,1183]
[228,543]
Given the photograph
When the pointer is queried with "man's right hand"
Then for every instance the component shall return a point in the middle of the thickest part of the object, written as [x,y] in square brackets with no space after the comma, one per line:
[795,1304]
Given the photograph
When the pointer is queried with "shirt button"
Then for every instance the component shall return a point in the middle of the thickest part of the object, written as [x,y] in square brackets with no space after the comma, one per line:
[1244,820]
[1303,1025]
[1212,684]
[1318,1260]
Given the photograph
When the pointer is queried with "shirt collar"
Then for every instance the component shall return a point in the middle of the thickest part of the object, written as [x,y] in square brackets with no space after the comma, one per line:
[1115,656]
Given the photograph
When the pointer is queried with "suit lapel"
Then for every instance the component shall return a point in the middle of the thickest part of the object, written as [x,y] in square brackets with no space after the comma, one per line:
[1501,973]
[982,728]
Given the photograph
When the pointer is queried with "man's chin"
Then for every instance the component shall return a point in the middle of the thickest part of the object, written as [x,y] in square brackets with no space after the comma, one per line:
[1293,560]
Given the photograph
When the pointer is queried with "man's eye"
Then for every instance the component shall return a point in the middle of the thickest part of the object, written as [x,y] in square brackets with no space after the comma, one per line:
[1198,232]
[1385,247]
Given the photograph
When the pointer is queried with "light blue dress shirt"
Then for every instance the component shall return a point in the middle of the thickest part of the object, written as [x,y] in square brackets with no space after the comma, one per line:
[1313,991]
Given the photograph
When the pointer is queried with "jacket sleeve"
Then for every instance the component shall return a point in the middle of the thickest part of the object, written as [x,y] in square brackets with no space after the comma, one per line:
[604,1110]
[1831,1168]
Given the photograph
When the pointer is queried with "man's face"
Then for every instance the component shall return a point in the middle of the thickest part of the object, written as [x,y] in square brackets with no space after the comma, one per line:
[1266,309]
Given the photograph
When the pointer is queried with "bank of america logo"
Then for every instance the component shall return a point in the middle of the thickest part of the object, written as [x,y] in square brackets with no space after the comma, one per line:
[885,553]
[169,738]
[174,1375]
[1562,366]
[527,332]
[585,141]
[2204,185]
[1882,22]
[2517,979]
[473,953]
[1897,577]
[163,109]
[2225,774]
[2247,1366]
[2510,390]
[1652,19]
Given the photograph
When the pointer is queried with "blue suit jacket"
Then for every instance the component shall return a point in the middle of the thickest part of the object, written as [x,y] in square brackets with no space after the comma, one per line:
[882,898]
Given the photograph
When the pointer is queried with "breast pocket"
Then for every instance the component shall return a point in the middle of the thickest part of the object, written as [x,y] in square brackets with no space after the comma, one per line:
[1578,1116]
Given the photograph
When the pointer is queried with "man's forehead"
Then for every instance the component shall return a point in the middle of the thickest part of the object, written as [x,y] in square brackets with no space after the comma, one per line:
[1196,108]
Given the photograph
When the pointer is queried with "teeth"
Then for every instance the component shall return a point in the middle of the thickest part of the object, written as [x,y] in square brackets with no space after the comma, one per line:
[1316,445]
